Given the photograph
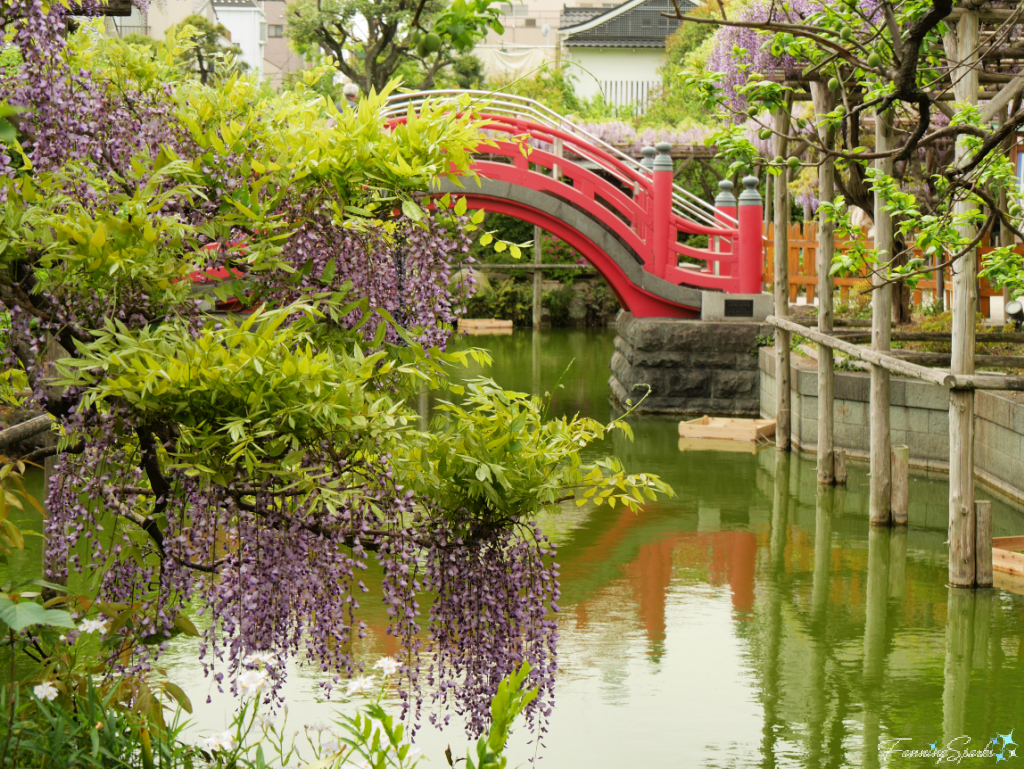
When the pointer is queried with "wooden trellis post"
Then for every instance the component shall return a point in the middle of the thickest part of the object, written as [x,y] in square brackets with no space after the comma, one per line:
[826,247]
[879,505]
[783,409]
[962,52]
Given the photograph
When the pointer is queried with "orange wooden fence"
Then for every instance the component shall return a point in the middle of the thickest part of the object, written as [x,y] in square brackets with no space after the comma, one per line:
[803,272]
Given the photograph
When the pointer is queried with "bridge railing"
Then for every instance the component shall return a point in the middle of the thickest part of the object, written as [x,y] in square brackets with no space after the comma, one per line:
[648,218]
[685,203]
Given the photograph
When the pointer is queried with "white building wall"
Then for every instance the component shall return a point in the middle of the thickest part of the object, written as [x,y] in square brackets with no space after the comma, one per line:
[597,65]
[244,26]
[160,18]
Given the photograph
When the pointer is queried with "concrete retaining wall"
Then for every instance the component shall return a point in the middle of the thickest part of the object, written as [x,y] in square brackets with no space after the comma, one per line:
[919,418]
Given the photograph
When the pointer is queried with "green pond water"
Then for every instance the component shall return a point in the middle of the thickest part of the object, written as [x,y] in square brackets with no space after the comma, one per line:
[751,621]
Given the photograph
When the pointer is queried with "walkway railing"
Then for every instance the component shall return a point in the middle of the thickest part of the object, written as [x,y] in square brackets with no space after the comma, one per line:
[638,201]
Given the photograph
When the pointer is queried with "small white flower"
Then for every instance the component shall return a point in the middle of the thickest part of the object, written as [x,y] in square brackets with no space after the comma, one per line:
[360,685]
[387,665]
[45,691]
[93,626]
[414,755]
[259,658]
[251,682]
[222,741]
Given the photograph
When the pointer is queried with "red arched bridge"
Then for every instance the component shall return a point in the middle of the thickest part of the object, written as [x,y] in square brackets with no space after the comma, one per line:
[626,218]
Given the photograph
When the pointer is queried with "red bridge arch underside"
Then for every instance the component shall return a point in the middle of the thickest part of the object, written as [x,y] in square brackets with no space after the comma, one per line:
[632,297]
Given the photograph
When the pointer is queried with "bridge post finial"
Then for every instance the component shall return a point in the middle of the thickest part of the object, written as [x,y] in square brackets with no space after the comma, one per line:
[751,250]
[664,160]
[648,162]
[725,198]
[750,196]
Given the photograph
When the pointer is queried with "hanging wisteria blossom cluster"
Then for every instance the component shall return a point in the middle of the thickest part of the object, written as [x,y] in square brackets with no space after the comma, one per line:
[254,468]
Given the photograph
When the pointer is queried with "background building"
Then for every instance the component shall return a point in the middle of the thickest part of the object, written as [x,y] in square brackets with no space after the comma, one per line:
[256,26]
[619,49]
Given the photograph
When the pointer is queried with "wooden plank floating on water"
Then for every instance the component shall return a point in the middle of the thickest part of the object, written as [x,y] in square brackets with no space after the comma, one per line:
[1005,557]
[722,429]
[718,444]
[480,326]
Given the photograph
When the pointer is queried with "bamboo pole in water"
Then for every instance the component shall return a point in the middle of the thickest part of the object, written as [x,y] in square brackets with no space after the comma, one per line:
[962,47]
[783,396]
[879,500]
[826,246]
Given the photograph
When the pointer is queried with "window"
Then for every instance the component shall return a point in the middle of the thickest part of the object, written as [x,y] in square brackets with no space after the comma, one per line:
[513,9]
[529,22]
[276,30]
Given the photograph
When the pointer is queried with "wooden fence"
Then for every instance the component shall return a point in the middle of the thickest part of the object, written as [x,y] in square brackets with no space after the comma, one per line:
[803,272]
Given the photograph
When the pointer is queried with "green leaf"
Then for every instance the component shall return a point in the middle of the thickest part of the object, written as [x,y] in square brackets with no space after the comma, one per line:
[328,274]
[23,614]
[184,624]
[99,237]
[411,210]
[175,691]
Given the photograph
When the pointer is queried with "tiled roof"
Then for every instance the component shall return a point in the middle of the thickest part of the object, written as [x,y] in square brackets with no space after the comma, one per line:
[251,4]
[573,16]
[633,24]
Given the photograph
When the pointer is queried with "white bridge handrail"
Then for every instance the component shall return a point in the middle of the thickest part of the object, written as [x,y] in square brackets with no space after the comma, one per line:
[685,203]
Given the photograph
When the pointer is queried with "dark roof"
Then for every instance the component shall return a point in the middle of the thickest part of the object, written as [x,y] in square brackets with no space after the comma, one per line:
[572,16]
[633,24]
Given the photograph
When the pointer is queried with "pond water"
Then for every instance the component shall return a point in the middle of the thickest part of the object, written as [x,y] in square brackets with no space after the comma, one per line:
[751,621]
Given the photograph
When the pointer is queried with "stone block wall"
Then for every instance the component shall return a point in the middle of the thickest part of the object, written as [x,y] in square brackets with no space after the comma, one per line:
[918,418]
[692,367]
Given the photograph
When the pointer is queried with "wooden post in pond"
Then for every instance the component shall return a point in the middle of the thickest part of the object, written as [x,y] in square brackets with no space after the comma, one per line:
[881,336]
[826,247]
[900,502]
[961,45]
[538,275]
[983,559]
[840,467]
[783,396]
